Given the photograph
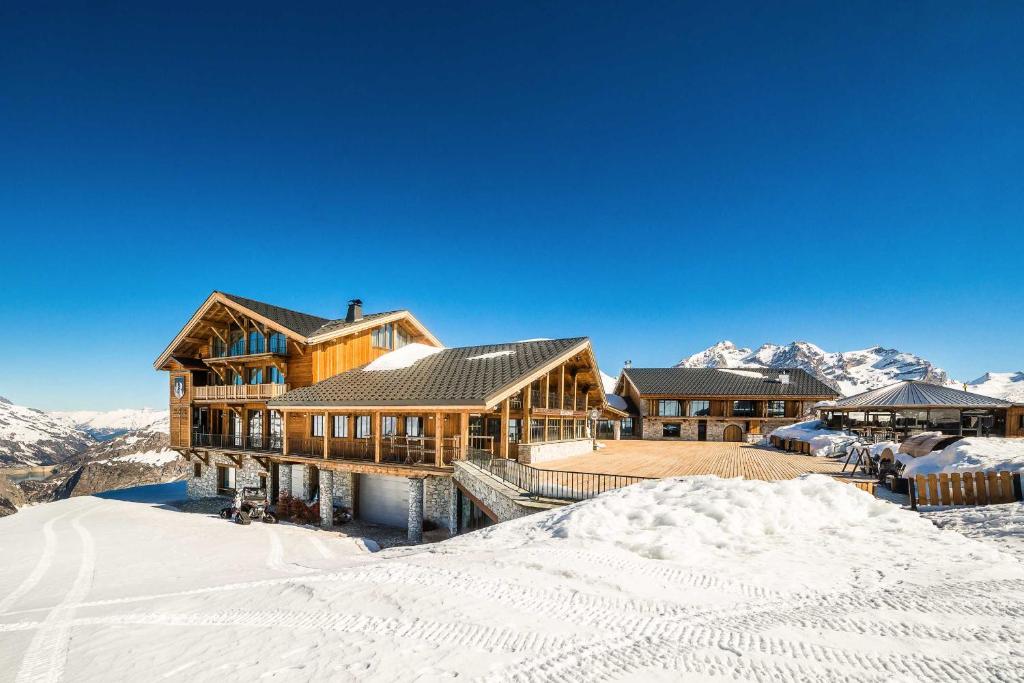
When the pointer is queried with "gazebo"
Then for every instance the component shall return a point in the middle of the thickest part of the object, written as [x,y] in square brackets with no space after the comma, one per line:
[911,407]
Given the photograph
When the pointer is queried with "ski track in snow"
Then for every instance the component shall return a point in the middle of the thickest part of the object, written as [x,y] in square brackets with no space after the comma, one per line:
[42,565]
[48,652]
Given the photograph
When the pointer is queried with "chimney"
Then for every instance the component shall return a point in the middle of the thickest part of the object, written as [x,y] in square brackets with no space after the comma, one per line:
[627,365]
[784,377]
[355,311]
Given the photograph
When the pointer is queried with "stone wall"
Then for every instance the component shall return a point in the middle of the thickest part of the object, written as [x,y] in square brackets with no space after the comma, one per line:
[652,428]
[205,486]
[553,450]
[439,502]
[499,497]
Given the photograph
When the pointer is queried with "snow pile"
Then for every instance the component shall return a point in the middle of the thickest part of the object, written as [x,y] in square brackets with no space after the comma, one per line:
[492,354]
[1001,525]
[801,580]
[824,442]
[609,383]
[742,373]
[152,458]
[405,357]
[974,454]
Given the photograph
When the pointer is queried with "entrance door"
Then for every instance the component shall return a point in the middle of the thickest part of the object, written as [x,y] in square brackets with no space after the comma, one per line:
[384,500]
[702,430]
[732,433]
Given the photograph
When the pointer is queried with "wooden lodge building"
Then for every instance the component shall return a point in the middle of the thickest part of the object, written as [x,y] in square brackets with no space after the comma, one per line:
[903,409]
[717,404]
[368,412]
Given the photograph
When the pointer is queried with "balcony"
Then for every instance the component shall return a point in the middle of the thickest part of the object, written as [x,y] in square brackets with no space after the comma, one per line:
[394,450]
[237,442]
[239,392]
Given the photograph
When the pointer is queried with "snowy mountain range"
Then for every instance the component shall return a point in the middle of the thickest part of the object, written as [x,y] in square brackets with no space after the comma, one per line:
[852,372]
[34,437]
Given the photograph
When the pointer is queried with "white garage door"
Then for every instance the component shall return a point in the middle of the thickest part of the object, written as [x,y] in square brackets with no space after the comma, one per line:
[384,500]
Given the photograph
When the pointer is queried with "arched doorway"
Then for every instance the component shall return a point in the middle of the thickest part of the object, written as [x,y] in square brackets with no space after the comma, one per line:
[732,433]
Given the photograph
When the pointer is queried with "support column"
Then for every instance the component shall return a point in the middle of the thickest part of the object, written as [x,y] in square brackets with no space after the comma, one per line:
[326,498]
[617,429]
[439,439]
[375,430]
[527,420]
[327,428]
[415,510]
[503,432]
[464,435]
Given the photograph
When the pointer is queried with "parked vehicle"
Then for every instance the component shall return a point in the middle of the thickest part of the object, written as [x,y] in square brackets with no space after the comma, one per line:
[250,504]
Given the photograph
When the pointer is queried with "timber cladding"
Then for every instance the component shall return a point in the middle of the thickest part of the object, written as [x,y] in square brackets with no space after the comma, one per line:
[180,414]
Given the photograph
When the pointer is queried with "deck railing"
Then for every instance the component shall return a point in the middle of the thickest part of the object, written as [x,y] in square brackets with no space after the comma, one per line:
[237,442]
[350,449]
[228,392]
[555,484]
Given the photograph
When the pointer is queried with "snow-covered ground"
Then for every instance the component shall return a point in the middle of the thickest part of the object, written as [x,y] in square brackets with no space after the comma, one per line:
[668,580]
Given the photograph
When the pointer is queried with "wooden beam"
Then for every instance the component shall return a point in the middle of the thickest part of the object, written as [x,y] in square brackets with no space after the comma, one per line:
[527,420]
[561,387]
[237,459]
[205,457]
[375,430]
[230,313]
[326,432]
[438,439]
[503,432]
[464,435]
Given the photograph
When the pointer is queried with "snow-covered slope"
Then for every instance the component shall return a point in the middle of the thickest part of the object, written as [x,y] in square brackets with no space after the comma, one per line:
[33,437]
[1008,386]
[109,423]
[851,372]
[680,579]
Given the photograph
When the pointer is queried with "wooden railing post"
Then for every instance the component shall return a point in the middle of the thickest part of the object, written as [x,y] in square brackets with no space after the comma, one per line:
[464,436]
[439,439]
[326,432]
[375,430]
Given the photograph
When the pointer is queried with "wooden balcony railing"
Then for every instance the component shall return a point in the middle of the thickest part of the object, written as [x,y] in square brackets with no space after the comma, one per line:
[230,392]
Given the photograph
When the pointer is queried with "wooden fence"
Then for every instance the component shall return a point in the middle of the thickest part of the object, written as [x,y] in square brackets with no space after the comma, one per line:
[968,488]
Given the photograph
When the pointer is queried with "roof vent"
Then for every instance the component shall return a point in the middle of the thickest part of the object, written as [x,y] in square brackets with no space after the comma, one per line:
[784,377]
[355,311]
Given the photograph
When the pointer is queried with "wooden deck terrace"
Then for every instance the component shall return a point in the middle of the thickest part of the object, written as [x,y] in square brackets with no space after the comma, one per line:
[687,458]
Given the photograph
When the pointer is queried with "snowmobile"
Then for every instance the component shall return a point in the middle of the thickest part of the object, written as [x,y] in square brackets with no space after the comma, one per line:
[250,503]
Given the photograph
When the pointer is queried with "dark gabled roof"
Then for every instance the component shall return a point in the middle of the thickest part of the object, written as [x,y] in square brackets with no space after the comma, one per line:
[335,325]
[450,377]
[301,323]
[913,393]
[700,382]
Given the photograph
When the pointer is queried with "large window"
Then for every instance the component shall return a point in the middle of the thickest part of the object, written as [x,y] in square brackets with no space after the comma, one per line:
[237,343]
[669,408]
[671,430]
[340,427]
[363,427]
[316,425]
[776,409]
[256,428]
[278,343]
[255,375]
[274,375]
[414,426]
[220,349]
[234,377]
[257,342]
[743,408]
[699,408]
[626,427]
[381,336]
[276,428]
[388,425]
[515,433]
[401,338]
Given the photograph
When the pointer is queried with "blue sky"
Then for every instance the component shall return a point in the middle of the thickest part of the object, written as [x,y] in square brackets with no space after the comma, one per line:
[657,177]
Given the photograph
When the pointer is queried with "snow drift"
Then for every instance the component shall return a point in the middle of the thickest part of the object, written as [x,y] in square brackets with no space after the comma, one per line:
[824,442]
[973,454]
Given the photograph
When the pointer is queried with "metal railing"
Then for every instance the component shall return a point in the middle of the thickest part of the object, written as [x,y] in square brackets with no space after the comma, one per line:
[555,484]
[239,391]
[237,442]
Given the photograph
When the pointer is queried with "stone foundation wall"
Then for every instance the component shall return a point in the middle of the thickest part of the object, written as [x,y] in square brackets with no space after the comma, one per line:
[439,502]
[497,496]
[554,450]
[206,485]
[652,428]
